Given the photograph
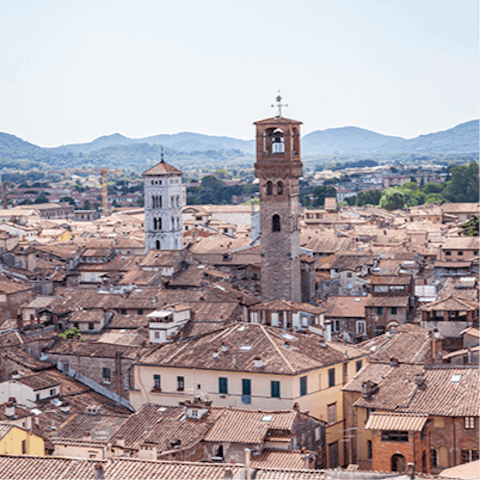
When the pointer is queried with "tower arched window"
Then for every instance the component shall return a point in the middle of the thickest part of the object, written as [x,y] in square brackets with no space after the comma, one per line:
[278,145]
[269,188]
[276,227]
[157,244]
[280,188]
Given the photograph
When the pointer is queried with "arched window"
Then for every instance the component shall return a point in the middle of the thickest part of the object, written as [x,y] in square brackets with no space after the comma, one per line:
[172,201]
[269,188]
[159,223]
[279,188]
[157,244]
[278,145]
[173,222]
[276,223]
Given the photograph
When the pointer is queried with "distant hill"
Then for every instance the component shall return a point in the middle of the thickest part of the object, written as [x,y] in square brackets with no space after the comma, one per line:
[351,140]
[118,151]
[181,142]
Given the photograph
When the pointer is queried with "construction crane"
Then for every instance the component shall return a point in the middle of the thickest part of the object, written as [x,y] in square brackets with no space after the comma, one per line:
[105,189]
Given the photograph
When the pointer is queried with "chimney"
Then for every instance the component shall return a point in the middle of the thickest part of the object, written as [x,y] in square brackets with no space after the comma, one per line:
[393,362]
[65,408]
[228,474]
[296,407]
[98,471]
[224,347]
[10,407]
[233,361]
[328,331]
[257,362]
[418,379]
[215,355]
[248,454]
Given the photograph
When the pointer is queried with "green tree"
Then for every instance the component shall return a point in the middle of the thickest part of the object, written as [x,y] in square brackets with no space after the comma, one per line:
[463,187]
[393,198]
[74,334]
[41,199]
[433,188]
[470,228]
[69,200]
[86,205]
[436,198]
[411,186]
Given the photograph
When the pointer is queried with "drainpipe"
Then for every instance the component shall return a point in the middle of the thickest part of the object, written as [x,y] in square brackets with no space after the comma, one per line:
[454,443]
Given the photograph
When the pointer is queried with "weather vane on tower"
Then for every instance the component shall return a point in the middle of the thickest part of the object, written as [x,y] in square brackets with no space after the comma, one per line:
[279,105]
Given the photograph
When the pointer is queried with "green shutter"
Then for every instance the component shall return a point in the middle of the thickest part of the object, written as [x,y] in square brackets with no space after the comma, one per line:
[275,389]
[303,386]
[223,385]
[246,387]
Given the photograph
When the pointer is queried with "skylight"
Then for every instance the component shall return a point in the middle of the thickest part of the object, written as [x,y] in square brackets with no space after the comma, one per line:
[245,348]
[267,418]
[288,336]
[456,378]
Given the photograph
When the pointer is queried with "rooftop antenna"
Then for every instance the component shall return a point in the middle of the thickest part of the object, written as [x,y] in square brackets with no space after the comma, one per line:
[279,105]
[161,156]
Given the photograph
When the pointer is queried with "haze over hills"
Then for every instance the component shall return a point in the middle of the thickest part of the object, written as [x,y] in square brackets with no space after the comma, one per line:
[190,148]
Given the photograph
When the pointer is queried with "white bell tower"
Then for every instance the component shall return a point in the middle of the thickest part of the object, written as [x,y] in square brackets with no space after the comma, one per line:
[164,200]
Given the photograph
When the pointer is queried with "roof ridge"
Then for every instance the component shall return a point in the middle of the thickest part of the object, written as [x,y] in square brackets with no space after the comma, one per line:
[276,348]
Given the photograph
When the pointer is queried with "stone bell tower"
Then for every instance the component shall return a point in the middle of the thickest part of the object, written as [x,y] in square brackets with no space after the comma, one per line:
[278,167]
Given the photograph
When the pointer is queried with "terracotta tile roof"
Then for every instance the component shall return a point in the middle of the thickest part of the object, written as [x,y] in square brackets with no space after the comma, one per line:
[20,356]
[87,427]
[95,349]
[8,287]
[410,344]
[276,121]
[447,264]
[450,304]
[324,244]
[285,459]
[460,207]
[391,280]
[387,301]
[286,306]
[287,474]
[192,276]
[247,426]
[345,306]
[408,422]
[447,390]
[63,468]
[162,168]
[141,278]
[40,381]
[281,353]
[163,258]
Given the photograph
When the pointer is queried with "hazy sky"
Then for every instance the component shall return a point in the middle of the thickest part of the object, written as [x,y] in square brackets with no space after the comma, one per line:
[71,71]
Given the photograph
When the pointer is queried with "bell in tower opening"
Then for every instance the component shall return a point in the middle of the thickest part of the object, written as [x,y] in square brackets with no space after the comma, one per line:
[278,167]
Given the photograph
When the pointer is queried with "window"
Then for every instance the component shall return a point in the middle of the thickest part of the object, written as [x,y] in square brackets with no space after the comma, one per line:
[37,397]
[123,311]
[91,326]
[53,391]
[360,327]
[65,367]
[180,384]
[223,385]
[303,386]
[140,311]
[331,377]
[469,423]
[157,245]
[106,375]
[75,324]
[379,330]
[469,456]
[434,458]
[157,385]
[157,334]
[459,253]
[332,413]
[394,310]
[276,223]
[275,389]
[246,390]
[279,188]
[336,325]
[394,436]
[358,365]
[369,449]
[24,447]
[448,253]
[379,310]
[318,433]
[269,188]
[349,274]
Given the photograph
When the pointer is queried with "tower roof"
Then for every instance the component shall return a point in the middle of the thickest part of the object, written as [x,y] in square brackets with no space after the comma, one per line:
[161,169]
[276,121]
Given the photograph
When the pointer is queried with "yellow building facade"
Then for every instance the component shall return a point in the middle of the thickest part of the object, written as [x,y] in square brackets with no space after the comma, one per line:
[17,441]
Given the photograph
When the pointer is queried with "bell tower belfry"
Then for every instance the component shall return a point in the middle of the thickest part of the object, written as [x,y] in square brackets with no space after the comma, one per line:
[278,167]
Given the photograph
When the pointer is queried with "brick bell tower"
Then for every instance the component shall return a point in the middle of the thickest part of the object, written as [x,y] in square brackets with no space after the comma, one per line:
[278,167]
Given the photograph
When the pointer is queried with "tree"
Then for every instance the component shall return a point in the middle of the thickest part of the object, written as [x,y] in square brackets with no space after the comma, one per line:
[433,188]
[211,182]
[41,199]
[74,334]
[436,198]
[470,228]
[463,187]
[69,200]
[321,192]
[411,186]
[393,198]
[86,205]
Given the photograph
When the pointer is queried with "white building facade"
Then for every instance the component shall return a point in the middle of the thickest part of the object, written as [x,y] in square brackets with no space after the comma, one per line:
[164,200]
